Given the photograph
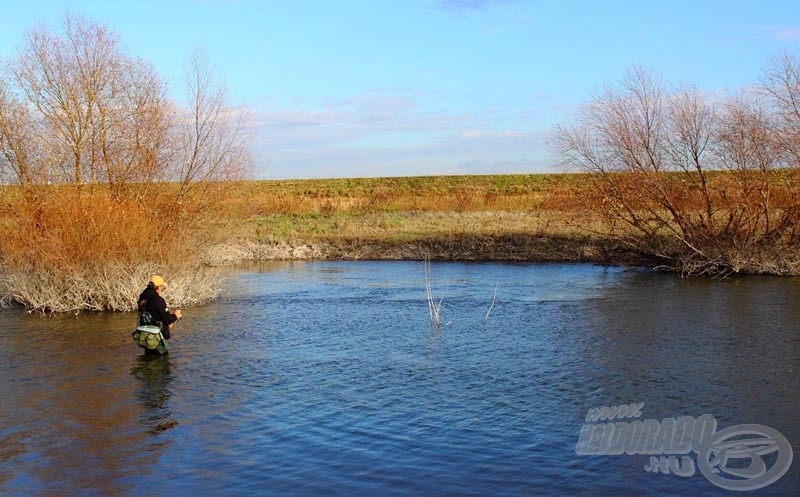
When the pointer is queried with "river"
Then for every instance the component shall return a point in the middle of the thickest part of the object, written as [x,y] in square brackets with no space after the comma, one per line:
[327,378]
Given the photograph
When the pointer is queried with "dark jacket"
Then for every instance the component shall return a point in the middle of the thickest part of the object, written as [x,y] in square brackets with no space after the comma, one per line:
[153,310]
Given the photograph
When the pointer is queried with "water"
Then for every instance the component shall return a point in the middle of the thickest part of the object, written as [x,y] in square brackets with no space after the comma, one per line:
[328,379]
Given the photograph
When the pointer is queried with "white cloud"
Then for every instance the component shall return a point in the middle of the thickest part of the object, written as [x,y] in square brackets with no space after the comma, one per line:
[788,34]
[364,120]
[392,135]
[400,134]
[488,134]
[460,5]
[463,4]
[782,33]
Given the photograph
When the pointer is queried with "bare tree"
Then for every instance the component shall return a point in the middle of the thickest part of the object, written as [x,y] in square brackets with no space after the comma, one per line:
[132,129]
[19,138]
[82,103]
[708,187]
[782,85]
[63,77]
[77,109]
[623,138]
[214,138]
[102,114]
[782,88]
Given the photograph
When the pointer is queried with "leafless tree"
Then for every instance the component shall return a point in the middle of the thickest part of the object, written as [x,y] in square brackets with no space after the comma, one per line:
[214,138]
[131,131]
[19,140]
[782,86]
[79,101]
[705,185]
[98,113]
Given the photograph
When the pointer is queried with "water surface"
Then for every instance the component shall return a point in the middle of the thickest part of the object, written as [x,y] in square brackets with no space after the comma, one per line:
[328,379]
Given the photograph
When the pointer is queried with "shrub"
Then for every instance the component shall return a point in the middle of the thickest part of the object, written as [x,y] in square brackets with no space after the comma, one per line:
[68,249]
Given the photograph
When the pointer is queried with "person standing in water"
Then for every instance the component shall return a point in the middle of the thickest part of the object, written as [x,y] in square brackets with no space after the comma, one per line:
[153,309]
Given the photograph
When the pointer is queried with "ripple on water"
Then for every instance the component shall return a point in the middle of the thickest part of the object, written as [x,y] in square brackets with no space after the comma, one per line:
[327,379]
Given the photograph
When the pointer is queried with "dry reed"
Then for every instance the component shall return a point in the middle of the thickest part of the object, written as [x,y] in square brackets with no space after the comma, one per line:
[72,249]
[434,308]
[494,299]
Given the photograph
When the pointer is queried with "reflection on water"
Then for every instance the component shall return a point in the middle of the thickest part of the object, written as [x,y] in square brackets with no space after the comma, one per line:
[327,379]
[153,392]
[68,418]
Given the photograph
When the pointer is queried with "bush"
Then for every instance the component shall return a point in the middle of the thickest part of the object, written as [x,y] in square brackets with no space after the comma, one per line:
[70,249]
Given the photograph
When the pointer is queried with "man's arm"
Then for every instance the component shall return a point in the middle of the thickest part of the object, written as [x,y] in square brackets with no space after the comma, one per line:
[163,314]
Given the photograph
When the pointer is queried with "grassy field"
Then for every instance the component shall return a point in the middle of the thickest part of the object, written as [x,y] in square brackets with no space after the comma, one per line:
[494,217]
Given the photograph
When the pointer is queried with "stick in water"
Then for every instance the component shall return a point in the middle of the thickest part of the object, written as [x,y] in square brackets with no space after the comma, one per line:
[494,299]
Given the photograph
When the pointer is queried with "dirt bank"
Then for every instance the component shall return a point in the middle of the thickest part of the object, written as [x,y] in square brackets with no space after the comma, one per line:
[507,248]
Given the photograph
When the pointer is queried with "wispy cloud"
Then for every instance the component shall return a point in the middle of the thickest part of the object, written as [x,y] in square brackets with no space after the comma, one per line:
[782,33]
[463,4]
[391,135]
[466,5]
[355,119]
[788,34]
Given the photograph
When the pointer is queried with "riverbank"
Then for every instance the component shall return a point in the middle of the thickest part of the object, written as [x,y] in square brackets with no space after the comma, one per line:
[76,249]
[515,218]
[512,248]
[83,249]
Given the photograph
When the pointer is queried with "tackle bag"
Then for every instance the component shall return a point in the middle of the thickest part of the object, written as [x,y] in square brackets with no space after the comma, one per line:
[147,336]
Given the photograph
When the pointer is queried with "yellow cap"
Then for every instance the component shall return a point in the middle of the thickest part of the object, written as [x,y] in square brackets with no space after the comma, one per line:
[158,280]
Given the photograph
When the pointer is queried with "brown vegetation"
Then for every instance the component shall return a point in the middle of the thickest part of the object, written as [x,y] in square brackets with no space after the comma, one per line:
[505,217]
[87,141]
[707,186]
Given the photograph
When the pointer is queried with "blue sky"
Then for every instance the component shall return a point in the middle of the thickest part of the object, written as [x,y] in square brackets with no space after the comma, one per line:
[419,87]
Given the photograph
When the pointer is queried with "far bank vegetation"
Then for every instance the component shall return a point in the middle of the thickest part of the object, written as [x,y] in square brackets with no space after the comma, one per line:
[88,141]
[706,185]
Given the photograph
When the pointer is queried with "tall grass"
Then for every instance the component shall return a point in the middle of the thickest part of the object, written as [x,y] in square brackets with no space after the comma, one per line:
[67,248]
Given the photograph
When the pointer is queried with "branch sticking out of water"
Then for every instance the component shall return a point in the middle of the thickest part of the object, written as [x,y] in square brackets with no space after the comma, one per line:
[494,299]
[433,307]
